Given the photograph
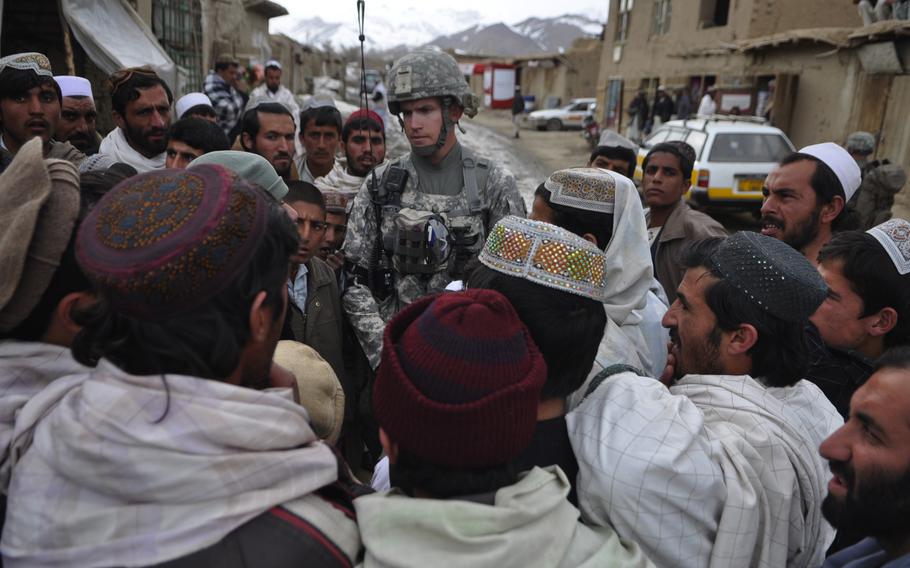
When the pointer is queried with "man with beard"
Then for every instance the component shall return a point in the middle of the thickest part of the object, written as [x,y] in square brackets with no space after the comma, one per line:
[671,222]
[363,140]
[806,197]
[141,102]
[268,130]
[30,107]
[869,457]
[77,114]
[718,469]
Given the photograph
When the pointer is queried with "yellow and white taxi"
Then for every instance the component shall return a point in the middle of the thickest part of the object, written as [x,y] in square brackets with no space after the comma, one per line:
[733,156]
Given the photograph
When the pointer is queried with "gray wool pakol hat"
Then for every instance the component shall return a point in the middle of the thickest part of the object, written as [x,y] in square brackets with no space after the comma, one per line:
[772,274]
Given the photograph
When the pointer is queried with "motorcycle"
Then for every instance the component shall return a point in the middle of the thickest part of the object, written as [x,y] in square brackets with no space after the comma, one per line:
[590,130]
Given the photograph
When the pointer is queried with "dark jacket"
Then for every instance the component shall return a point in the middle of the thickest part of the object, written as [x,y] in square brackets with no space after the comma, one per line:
[320,326]
[318,530]
[550,446]
[664,107]
[639,108]
[683,226]
[837,373]
[518,104]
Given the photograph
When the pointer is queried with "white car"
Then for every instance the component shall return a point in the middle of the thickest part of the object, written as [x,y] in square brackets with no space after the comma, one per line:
[569,116]
[733,154]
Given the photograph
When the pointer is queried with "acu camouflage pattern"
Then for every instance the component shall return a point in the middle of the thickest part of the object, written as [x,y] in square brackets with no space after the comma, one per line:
[426,74]
[873,201]
[368,317]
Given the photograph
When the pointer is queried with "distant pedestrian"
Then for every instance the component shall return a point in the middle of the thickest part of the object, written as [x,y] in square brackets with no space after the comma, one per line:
[683,103]
[228,102]
[708,104]
[663,107]
[518,107]
[638,116]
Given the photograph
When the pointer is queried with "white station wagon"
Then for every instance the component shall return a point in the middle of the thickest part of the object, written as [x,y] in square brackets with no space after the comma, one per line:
[733,156]
[568,116]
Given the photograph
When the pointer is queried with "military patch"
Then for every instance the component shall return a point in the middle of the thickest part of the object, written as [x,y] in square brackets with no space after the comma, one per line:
[403,80]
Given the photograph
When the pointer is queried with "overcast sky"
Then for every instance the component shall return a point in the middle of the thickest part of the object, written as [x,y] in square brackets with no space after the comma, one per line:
[508,11]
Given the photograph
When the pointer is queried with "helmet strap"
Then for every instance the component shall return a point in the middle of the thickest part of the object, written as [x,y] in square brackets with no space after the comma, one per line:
[447,124]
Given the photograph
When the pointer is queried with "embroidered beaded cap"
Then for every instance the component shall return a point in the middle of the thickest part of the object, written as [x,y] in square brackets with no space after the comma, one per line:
[894,236]
[166,241]
[772,274]
[590,189]
[547,255]
[29,61]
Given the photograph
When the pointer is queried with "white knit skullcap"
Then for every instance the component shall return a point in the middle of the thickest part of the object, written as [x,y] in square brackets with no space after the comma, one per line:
[841,163]
[72,86]
[189,100]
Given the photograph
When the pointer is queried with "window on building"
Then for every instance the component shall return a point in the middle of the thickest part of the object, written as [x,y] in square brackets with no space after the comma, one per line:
[624,14]
[178,26]
[660,25]
[714,13]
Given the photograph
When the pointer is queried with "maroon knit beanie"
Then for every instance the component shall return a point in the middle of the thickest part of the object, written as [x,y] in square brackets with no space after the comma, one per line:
[460,380]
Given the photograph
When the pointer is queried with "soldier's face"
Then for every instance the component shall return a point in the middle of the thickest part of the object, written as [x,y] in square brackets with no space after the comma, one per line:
[422,121]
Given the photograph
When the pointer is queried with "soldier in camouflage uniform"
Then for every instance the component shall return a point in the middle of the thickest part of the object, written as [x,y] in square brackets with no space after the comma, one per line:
[446,205]
[881,181]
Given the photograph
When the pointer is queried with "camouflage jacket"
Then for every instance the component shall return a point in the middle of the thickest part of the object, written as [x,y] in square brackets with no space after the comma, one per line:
[499,197]
[873,201]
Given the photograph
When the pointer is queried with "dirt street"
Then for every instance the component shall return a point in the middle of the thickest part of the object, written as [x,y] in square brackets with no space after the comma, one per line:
[536,154]
[551,150]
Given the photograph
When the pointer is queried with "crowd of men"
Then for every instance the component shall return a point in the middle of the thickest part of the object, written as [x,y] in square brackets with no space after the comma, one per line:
[222,344]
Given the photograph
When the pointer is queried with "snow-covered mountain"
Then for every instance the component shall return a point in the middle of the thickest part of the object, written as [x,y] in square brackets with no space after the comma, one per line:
[557,34]
[383,28]
[532,35]
[497,39]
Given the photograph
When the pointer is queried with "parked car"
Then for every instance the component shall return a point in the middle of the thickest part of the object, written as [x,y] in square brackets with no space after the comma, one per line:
[568,116]
[734,155]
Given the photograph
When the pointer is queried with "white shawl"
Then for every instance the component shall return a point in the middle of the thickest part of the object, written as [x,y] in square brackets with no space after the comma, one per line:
[717,470]
[125,471]
[116,146]
[25,370]
[340,180]
[634,335]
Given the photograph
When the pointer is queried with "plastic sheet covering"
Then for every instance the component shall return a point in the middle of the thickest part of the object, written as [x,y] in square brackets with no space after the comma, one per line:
[114,36]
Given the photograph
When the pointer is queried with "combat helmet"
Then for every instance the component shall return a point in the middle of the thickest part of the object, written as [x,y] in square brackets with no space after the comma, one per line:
[426,73]
[861,142]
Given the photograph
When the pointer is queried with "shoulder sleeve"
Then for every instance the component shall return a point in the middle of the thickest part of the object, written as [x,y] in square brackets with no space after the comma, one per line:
[363,314]
[646,468]
[502,194]
[701,226]
[361,235]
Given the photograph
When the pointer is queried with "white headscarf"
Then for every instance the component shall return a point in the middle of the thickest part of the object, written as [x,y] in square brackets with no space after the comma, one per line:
[135,471]
[116,145]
